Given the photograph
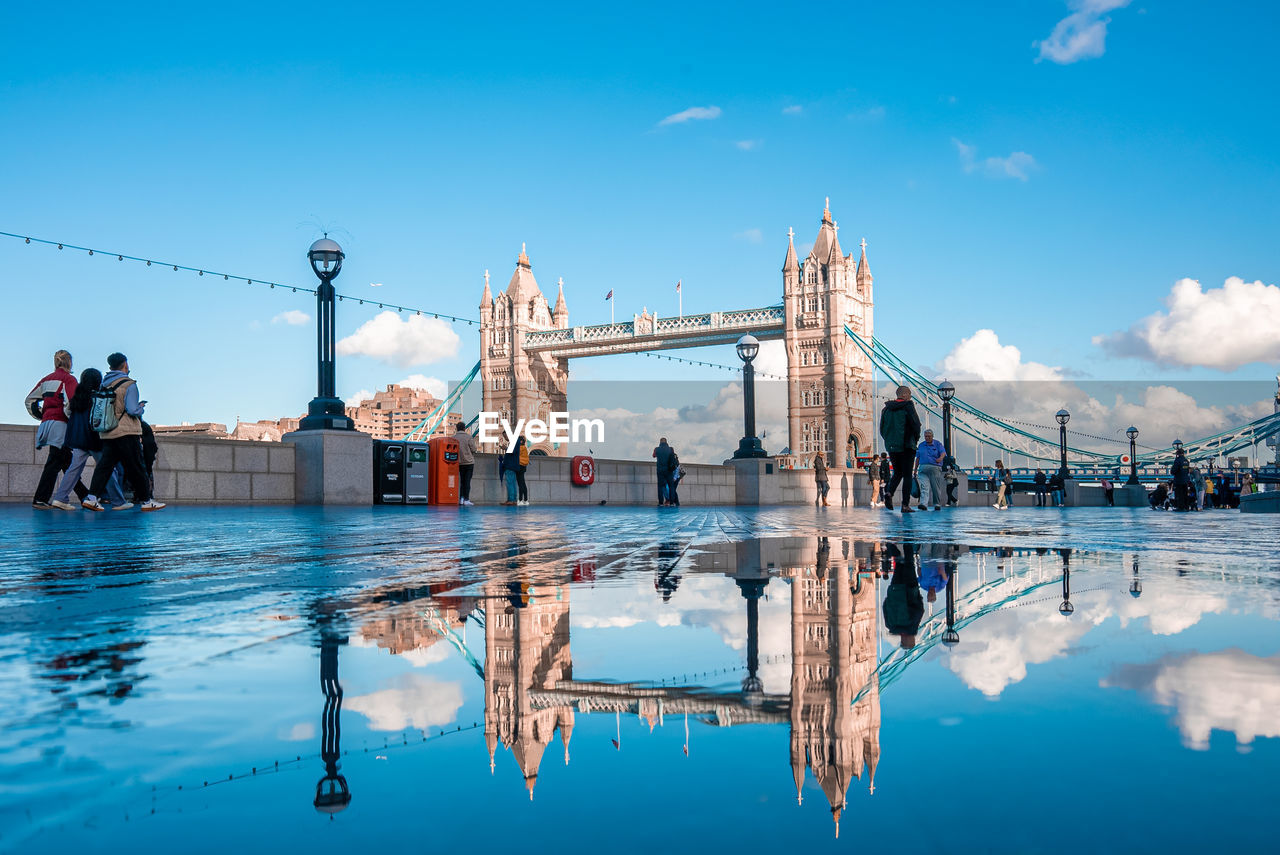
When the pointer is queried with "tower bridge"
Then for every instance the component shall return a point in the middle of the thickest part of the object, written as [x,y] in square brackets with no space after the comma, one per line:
[526,343]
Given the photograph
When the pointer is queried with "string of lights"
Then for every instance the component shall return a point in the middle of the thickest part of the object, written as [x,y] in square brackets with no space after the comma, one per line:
[203,271]
[1079,433]
[707,364]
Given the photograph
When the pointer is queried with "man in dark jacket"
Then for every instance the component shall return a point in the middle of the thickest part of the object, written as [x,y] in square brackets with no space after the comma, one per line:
[903,605]
[1181,480]
[662,454]
[1042,484]
[886,472]
[900,430]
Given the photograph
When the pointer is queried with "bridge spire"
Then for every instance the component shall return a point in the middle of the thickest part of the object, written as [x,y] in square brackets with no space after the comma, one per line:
[826,211]
[864,270]
[486,300]
[791,264]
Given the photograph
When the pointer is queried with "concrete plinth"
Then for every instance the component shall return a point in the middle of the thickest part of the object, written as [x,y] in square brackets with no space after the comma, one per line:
[332,467]
[1260,503]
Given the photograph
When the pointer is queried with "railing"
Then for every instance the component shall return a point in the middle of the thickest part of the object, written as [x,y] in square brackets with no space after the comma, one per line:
[768,317]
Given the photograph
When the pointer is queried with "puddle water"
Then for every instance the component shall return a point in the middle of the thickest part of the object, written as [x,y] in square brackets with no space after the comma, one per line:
[672,691]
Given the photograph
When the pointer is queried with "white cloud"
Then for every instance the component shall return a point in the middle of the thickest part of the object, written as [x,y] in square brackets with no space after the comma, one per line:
[301,732]
[693,113]
[793,110]
[354,400]
[1231,691]
[293,318]
[1017,165]
[415,700]
[995,378]
[749,145]
[1221,328]
[751,235]
[402,341]
[432,385]
[981,356]
[1080,35]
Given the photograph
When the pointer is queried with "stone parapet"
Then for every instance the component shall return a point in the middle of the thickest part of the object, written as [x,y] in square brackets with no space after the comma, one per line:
[189,468]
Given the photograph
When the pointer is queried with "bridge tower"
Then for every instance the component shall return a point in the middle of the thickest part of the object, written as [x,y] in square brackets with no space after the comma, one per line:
[833,656]
[516,384]
[828,378]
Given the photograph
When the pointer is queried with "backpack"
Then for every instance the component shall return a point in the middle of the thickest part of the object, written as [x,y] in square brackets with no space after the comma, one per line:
[102,410]
[524,455]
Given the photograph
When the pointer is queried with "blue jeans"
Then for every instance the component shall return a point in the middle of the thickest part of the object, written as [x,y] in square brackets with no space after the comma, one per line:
[80,457]
[510,477]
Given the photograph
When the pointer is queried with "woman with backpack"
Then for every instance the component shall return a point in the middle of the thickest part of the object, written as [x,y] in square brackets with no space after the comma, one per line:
[83,443]
[522,463]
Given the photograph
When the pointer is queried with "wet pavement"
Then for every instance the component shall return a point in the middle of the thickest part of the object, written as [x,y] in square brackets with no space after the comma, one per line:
[559,679]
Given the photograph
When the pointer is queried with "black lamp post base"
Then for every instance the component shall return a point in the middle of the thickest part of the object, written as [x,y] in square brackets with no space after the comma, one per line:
[326,414]
[749,447]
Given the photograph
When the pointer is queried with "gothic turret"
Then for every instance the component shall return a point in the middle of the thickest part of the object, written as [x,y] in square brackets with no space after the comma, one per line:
[864,271]
[560,314]
[486,299]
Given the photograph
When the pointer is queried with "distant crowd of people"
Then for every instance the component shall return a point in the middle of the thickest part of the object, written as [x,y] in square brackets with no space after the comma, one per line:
[1193,490]
[98,417]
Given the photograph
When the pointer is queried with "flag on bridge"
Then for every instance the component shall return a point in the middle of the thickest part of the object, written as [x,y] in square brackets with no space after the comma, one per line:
[609,296]
[678,286]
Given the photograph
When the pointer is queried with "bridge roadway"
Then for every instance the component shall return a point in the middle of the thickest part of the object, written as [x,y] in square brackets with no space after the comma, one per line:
[649,332]
[724,709]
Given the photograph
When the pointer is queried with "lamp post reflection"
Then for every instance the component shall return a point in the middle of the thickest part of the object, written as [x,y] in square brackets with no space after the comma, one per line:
[951,637]
[1135,585]
[332,793]
[1066,608]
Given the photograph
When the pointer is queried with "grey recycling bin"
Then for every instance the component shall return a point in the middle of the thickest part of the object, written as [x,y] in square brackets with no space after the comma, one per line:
[415,473]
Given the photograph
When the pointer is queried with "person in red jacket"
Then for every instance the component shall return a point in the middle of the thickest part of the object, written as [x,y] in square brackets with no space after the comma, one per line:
[47,402]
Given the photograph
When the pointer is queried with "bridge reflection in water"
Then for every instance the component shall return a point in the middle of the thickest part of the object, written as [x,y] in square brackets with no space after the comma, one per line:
[532,696]
[839,658]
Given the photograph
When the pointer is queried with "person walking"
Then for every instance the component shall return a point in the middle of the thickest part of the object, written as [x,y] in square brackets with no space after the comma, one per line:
[467,449]
[951,472]
[522,463]
[84,443]
[662,468]
[1210,491]
[929,457]
[47,403]
[673,479]
[900,430]
[1197,484]
[886,472]
[1058,489]
[507,465]
[820,478]
[1109,492]
[1042,488]
[1003,482]
[873,477]
[1181,480]
[123,443]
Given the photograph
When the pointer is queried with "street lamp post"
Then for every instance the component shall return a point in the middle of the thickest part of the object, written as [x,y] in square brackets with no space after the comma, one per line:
[326,411]
[1063,417]
[1132,433]
[946,391]
[749,446]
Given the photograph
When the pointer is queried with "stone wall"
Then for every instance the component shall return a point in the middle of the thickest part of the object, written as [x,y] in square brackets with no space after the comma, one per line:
[188,469]
[618,482]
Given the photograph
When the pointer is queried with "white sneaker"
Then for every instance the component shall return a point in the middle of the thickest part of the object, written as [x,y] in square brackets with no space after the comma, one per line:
[123,506]
[64,506]
[91,503]
[151,505]
[468,503]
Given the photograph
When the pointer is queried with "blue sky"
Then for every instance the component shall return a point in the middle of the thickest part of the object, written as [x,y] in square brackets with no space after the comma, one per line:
[1005,178]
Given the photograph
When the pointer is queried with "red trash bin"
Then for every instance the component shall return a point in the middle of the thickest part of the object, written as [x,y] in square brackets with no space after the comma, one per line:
[442,472]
